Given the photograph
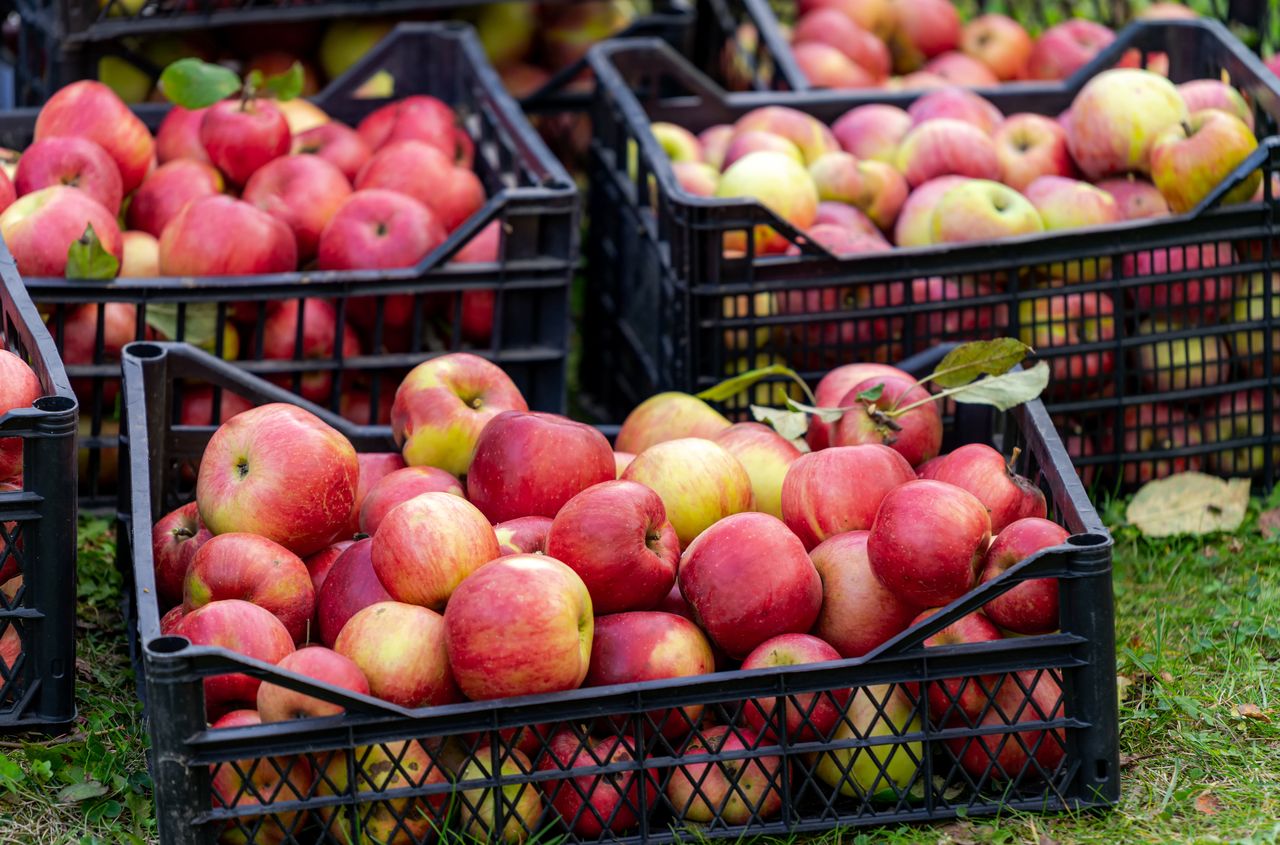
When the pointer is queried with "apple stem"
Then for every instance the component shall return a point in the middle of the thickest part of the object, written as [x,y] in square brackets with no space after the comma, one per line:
[1013,459]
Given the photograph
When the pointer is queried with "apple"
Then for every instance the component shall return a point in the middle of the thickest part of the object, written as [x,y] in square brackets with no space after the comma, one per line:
[422,171]
[1190,159]
[350,586]
[426,546]
[140,256]
[616,536]
[920,80]
[805,131]
[1180,363]
[778,183]
[40,227]
[731,792]
[379,229]
[914,226]
[167,190]
[915,434]
[1238,416]
[1136,198]
[400,649]
[881,772]
[400,486]
[1116,119]
[336,143]
[956,104]
[244,628]
[983,210]
[809,717]
[699,482]
[1063,49]
[838,241]
[871,186]
[876,16]
[640,646]
[955,699]
[175,539]
[442,406]
[1032,606]
[374,466]
[241,136]
[19,388]
[529,464]
[278,704]
[568,31]
[845,216]
[1153,427]
[1068,320]
[239,784]
[417,118]
[858,613]
[697,178]
[223,236]
[386,767]
[1251,307]
[924,29]
[1201,94]
[839,489]
[1000,43]
[521,625]
[321,563]
[622,460]
[927,541]
[302,191]
[73,161]
[526,535]
[945,146]
[519,804]
[766,456]
[288,457]
[873,131]
[831,27]
[677,142]
[315,340]
[90,110]
[1029,146]
[742,144]
[1025,755]
[179,136]
[980,469]
[958,68]
[482,248]
[252,568]
[591,803]
[77,332]
[668,416]
[825,66]
[833,387]
[714,140]
[197,404]
[1071,204]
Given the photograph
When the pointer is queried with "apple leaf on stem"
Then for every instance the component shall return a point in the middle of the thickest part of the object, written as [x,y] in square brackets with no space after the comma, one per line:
[195,84]
[287,85]
[1004,391]
[790,424]
[827,415]
[199,322]
[970,361]
[88,259]
[734,385]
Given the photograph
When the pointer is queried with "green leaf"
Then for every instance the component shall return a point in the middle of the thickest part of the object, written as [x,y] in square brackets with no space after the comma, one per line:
[287,85]
[10,771]
[734,385]
[88,259]
[78,792]
[1005,391]
[981,357]
[790,424]
[1189,503]
[199,322]
[195,84]
[871,395]
[827,415]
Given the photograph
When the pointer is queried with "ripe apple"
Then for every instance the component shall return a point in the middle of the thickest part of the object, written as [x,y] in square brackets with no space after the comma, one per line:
[521,625]
[400,486]
[426,546]
[1000,43]
[825,66]
[374,466]
[40,227]
[1237,416]
[19,388]
[732,792]
[1063,49]
[422,171]
[91,110]
[1032,606]
[288,457]
[697,178]
[622,460]
[871,186]
[252,568]
[320,563]
[668,416]
[837,240]
[351,585]
[1180,363]
[915,434]
[945,146]
[831,27]
[387,767]
[400,648]
[699,481]
[73,161]
[839,489]
[876,16]
[336,143]
[179,136]
[241,627]
[1007,496]
[880,772]
[924,29]
[140,256]
[957,699]
[302,191]
[809,717]
[858,612]
[959,69]
[766,456]
[249,783]
[443,404]
[1071,320]
[1153,427]
[529,464]
[1201,94]
[742,144]
[927,541]
[223,236]
[982,210]
[1190,159]
[167,190]
[175,539]
[781,185]
[845,216]
[1034,697]
[318,342]
[197,404]
[77,332]
[805,131]
[526,535]
[590,803]
[956,104]
[616,536]
[1029,146]
[1116,119]
[1136,198]
[241,136]
[714,140]
[519,804]
[873,131]
[278,704]
[378,229]
[416,118]
[915,221]
[677,142]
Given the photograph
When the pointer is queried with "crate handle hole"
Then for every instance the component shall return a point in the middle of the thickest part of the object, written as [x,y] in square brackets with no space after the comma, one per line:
[1087,540]
[144,350]
[55,404]
[168,645]
[1104,769]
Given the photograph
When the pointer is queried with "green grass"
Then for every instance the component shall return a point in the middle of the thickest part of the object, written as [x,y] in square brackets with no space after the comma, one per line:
[1198,637]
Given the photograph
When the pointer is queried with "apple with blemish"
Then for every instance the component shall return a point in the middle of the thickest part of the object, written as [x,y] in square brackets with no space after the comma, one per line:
[732,792]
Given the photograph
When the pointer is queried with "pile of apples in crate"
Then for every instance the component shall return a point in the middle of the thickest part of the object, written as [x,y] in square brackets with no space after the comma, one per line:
[906,44]
[517,553]
[19,388]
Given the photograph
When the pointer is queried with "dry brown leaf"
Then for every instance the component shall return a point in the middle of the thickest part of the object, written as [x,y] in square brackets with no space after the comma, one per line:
[1210,552]
[1208,803]
[1189,503]
[1252,711]
[1167,677]
[1269,522]
[1235,545]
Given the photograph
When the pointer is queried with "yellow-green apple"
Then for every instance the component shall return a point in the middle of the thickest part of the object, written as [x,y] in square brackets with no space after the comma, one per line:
[1238,416]
[872,132]
[374,466]
[1250,306]
[743,144]
[91,110]
[956,699]
[426,546]
[197,240]
[1032,606]
[844,216]
[914,226]
[351,585]
[639,646]
[668,416]
[303,192]
[1201,94]
[40,227]
[315,340]
[388,767]
[422,171]
[1189,159]
[443,404]
[1063,49]
[808,717]
[1180,363]
[766,456]
[1152,427]
[1029,146]
[875,16]
[622,460]
[1116,118]
[875,188]
[167,190]
[281,472]
[697,178]
[1025,755]
[1064,203]
[416,118]
[400,486]
[945,146]
[400,648]
[831,27]
[781,185]
[699,481]
[515,800]
[732,792]
[525,535]
[980,469]
[875,771]
[833,387]
[528,463]
[568,31]
[714,141]
[858,612]
[839,489]
[1070,320]
[1000,43]
[677,142]
[915,434]
[19,388]
[958,68]
[244,628]
[241,136]
[175,539]
[252,568]
[616,536]
[345,41]
[179,136]
[521,625]
[336,143]
[73,161]
[506,31]
[321,563]
[927,541]
[956,104]
[825,66]
[241,784]
[755,549]
[981,210]
[301,115]
[805,131]
[278,704]
[592,803]
[1137,198]
[140,256]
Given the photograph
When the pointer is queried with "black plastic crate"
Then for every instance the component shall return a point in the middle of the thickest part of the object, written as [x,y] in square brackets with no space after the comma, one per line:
[37,531]
[1077,725]
[399,316]
[669,311]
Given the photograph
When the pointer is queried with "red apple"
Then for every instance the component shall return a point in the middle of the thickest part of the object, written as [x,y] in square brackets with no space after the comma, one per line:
[915,434]
[1007,496]
[302,191]
[1000,43]
[374,466]
[239,784]
[336,143]
[1215,94]
[590,804]
[872,131]
[169,622]
[1137,199]
[351,585]
[399,487]
[252,568]
[845,216]
[179,136]
[241,627]
[19,388]
[428,175]
[714,141]
[318,332]
[320,563]
[1071,320]
[72,161]
[1029,146]
[1197,299]
[197,404]
[278,704]
[956,104]
[872,186]
[825,66]
[526,535]
[241,136]
[840,489]
[376,229]
[91,110]
[831,27]
[809,717]
[743,144]
[699,481]
[1063,49]
[731,792]
[946,146]
[1032,606]
[167,190]
[116,323]
[858,612]
[416,118]
[400,648]
[925,28]
[668,416]
[223,236]
[1024,755]
[809,134]
[951,697]
[175,539]
[40,227]
[1153,427]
